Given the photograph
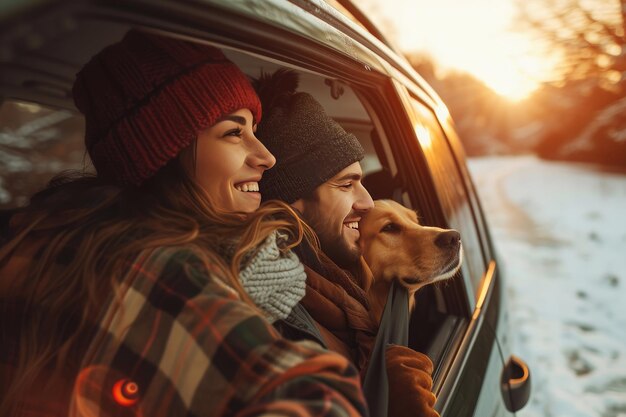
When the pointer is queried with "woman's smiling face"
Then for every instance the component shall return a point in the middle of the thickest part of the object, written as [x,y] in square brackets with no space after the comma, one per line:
[230,161]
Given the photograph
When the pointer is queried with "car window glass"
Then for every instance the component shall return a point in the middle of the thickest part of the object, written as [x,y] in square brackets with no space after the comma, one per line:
[36,142]
[451,191]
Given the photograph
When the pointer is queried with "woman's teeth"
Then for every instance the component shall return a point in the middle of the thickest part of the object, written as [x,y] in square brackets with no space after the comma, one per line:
[353,225]
[248,187]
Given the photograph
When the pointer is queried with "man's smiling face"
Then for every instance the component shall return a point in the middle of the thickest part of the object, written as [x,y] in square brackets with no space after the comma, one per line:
[334,210]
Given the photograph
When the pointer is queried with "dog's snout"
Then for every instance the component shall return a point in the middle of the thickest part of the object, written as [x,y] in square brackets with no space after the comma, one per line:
[448,239]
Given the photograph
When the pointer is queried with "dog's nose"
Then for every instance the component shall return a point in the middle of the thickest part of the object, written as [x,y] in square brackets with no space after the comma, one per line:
[448,239]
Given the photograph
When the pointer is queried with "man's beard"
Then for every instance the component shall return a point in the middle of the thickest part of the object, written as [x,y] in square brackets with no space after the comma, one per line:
[340,251]
[333,244]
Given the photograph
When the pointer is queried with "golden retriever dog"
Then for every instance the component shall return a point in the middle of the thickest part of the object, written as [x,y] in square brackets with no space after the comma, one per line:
[397,247]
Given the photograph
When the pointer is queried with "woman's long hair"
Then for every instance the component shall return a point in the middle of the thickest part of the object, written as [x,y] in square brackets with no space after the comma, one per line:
[79,236]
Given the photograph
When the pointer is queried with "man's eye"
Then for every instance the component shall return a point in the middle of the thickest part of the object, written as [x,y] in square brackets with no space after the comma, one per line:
[390,228]
[347,186]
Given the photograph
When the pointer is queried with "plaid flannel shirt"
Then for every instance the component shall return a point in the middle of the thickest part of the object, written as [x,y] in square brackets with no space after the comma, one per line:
[193,348]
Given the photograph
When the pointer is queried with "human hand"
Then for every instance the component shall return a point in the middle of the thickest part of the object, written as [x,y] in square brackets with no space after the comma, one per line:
[410,383]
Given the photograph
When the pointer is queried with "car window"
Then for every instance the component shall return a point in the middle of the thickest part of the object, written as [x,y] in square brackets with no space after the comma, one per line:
[36,142]
[451,190]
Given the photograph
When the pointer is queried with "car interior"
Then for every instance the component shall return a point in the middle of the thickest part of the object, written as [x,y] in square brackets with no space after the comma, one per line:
[36,104]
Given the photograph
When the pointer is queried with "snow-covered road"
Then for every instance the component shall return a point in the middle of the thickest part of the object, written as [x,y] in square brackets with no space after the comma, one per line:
[560,230]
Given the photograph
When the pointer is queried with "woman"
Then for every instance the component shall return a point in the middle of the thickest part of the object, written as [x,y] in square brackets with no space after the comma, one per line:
[121,292]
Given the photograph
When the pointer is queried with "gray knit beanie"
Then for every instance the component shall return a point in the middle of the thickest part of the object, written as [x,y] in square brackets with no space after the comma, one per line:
[309,146]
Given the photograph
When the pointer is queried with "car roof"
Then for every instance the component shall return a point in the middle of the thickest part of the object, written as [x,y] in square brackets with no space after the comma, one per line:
[43,43]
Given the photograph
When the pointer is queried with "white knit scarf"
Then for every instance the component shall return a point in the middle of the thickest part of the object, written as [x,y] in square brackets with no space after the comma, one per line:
[274,279]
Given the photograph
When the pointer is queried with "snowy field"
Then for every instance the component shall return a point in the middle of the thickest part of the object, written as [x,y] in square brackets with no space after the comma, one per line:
[560,230]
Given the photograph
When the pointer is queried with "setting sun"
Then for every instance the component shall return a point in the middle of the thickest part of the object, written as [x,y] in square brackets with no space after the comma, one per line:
[476,37]
[512,69]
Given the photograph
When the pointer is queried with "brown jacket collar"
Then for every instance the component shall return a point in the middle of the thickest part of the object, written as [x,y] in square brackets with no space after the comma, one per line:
[339,306]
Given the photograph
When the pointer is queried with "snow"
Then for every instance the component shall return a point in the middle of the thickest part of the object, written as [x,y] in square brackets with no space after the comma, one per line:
[560,231]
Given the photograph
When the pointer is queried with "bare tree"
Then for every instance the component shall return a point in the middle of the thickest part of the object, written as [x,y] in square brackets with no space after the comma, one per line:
[590,36]
[583,118]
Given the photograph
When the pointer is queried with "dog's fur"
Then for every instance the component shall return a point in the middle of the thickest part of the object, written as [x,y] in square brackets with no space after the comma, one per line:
[396,246]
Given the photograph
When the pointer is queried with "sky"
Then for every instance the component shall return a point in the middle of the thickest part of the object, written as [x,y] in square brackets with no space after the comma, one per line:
[477,36]
[560,233]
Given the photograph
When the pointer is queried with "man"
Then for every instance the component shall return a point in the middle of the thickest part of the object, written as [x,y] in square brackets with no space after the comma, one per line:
[318,173]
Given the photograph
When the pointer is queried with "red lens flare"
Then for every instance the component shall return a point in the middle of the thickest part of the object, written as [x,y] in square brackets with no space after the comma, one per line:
[125,392]
[99,387]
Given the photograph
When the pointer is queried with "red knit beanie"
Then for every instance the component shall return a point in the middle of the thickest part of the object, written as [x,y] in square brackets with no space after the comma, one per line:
[147,97]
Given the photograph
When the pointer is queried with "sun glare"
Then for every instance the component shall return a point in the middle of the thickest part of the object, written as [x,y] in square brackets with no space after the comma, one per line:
[473,36]
[423,135]
[513,77]
[510,64]
[510,88]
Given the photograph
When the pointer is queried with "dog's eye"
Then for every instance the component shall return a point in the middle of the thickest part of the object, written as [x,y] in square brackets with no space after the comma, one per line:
[390,228]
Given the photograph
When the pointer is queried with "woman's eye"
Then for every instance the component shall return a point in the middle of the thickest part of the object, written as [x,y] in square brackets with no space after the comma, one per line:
[234,132]
[390,228]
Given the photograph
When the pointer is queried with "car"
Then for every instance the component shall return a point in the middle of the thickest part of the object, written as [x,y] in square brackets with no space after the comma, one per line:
[413,154]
